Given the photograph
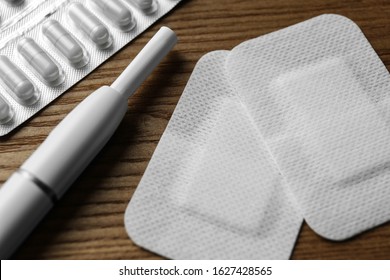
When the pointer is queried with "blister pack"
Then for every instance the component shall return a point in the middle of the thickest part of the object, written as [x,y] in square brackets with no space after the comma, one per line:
[50,45]
[319,95]
[212,190]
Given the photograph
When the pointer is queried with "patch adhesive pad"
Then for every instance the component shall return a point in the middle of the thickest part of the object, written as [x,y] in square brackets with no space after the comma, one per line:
[292,124]
[317,92]
[212,190]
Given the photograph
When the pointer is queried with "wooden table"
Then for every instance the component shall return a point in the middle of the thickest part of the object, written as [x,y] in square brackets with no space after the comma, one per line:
[88,222]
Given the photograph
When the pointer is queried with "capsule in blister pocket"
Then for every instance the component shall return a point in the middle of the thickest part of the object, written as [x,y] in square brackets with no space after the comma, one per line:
[90,25]
[65,43]
[17,83]
[40,62]
[14,2]
[116,12]
[146,6]
[6,112]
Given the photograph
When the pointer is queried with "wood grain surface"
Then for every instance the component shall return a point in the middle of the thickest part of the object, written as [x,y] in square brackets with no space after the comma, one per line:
[88,222]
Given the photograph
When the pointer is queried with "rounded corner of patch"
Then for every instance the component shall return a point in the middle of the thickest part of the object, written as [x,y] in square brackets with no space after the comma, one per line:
[211,55]
[338,18]
[132,231]
[323,231]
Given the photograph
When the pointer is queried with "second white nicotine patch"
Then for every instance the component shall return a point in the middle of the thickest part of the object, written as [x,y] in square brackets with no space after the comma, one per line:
[318,94]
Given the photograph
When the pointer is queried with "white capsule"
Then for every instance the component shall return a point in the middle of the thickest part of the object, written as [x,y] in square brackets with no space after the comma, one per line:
[147,6]
[117,13]
[6,112]
[143,4]
[90,25]
[17,82]
[65,43]
[41,63]
[15,2]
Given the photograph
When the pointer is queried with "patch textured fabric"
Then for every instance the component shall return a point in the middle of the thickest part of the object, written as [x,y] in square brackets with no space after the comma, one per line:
[320,97]
[212,189]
